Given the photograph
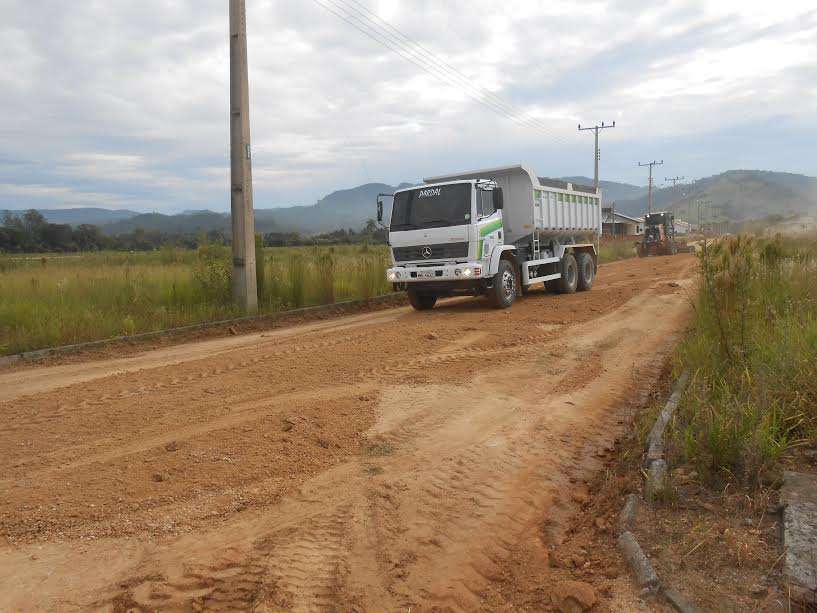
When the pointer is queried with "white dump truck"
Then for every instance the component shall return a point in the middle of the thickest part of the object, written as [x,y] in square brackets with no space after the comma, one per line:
[493,232]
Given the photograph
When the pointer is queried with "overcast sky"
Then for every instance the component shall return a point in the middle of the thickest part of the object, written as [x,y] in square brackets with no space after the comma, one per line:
[124,104]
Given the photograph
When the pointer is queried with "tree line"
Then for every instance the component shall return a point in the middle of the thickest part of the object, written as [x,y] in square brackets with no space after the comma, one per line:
[31,233]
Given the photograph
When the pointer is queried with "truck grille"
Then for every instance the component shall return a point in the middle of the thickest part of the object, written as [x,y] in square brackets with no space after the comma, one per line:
[444,251]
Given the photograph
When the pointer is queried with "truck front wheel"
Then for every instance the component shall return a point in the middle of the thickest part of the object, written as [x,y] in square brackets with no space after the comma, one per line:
[421,302]
[570,275]
[503,293]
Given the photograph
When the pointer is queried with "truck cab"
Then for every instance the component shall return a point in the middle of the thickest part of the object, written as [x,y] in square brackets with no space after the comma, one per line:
[442,237]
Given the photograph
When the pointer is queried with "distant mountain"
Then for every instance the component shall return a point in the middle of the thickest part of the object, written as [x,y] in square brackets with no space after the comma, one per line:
[346,208]
[185,223]
[735,195]
[80,216]
[611,191]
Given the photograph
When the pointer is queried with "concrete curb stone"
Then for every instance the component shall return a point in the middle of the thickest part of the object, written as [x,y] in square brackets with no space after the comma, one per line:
[628,513]
[656,464]
[644,573]
[678,602]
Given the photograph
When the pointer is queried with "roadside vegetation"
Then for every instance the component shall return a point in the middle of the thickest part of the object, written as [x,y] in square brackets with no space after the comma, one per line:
[611,250]
[47,300]
[753,357]
[50,300]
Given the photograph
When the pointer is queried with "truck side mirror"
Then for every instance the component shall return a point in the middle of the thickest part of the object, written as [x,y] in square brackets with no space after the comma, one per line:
[499,201]
[379,210]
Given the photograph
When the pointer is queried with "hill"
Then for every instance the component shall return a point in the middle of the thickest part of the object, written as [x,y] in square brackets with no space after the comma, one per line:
[736,195]
[185,223]
[611,191]
[346,208]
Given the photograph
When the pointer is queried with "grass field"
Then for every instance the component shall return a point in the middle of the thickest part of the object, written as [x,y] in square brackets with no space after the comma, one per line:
[50,300]
[619,249]
[753,356]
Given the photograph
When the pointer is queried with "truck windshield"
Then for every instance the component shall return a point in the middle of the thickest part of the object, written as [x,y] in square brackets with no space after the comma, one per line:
[432,207]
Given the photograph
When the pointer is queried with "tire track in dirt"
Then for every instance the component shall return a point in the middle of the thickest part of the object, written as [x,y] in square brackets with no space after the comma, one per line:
[483,423]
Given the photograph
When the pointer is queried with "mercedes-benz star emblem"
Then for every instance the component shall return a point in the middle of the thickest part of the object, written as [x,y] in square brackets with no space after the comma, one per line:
[427,252]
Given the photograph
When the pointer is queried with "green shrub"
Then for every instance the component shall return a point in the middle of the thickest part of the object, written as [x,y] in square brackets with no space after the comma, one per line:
[213,273]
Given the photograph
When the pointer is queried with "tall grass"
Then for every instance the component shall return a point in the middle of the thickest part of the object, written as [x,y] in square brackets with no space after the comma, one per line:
[47,300]
[611,250]
[753,352]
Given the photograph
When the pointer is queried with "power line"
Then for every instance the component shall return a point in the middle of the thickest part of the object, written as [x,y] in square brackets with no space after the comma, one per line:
[378,34]
[419,49]
[597,156]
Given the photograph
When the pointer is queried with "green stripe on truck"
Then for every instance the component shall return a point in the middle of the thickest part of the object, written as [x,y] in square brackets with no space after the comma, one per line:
[490,227]
[485,231]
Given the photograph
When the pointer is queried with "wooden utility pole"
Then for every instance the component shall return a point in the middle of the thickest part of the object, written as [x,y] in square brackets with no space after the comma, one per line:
[649,192]
[245,291]
[596,129]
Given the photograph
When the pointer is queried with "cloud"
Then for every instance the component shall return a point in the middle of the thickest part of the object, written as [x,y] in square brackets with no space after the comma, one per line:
[125,104]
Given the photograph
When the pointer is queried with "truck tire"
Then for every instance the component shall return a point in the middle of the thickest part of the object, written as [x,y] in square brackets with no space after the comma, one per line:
[421,302]
[587,271]
[570,275]
[503,293]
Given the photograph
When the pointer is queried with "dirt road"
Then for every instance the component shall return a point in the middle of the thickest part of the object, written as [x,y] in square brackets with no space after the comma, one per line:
[383,462]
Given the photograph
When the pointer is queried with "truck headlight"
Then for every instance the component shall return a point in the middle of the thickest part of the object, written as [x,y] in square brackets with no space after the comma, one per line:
[468,272]
[391,275]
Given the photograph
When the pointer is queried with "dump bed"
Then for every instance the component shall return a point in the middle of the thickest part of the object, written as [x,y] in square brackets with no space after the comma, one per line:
[555,208]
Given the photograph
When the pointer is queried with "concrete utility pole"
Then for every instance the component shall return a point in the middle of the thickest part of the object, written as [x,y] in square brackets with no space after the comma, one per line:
[649,193]
[245,291]
[596,129]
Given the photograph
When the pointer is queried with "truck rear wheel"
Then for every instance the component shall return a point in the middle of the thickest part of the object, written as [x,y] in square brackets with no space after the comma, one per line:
[421,302]
[570,275]
[503,293]
[587,271]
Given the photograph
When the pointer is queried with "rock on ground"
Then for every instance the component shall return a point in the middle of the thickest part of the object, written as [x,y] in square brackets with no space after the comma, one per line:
[799,499]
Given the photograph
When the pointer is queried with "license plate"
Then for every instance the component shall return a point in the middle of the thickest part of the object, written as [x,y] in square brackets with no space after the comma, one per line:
[426,274]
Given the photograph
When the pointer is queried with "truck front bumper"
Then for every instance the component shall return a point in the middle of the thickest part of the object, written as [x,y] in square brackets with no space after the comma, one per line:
[466,271]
